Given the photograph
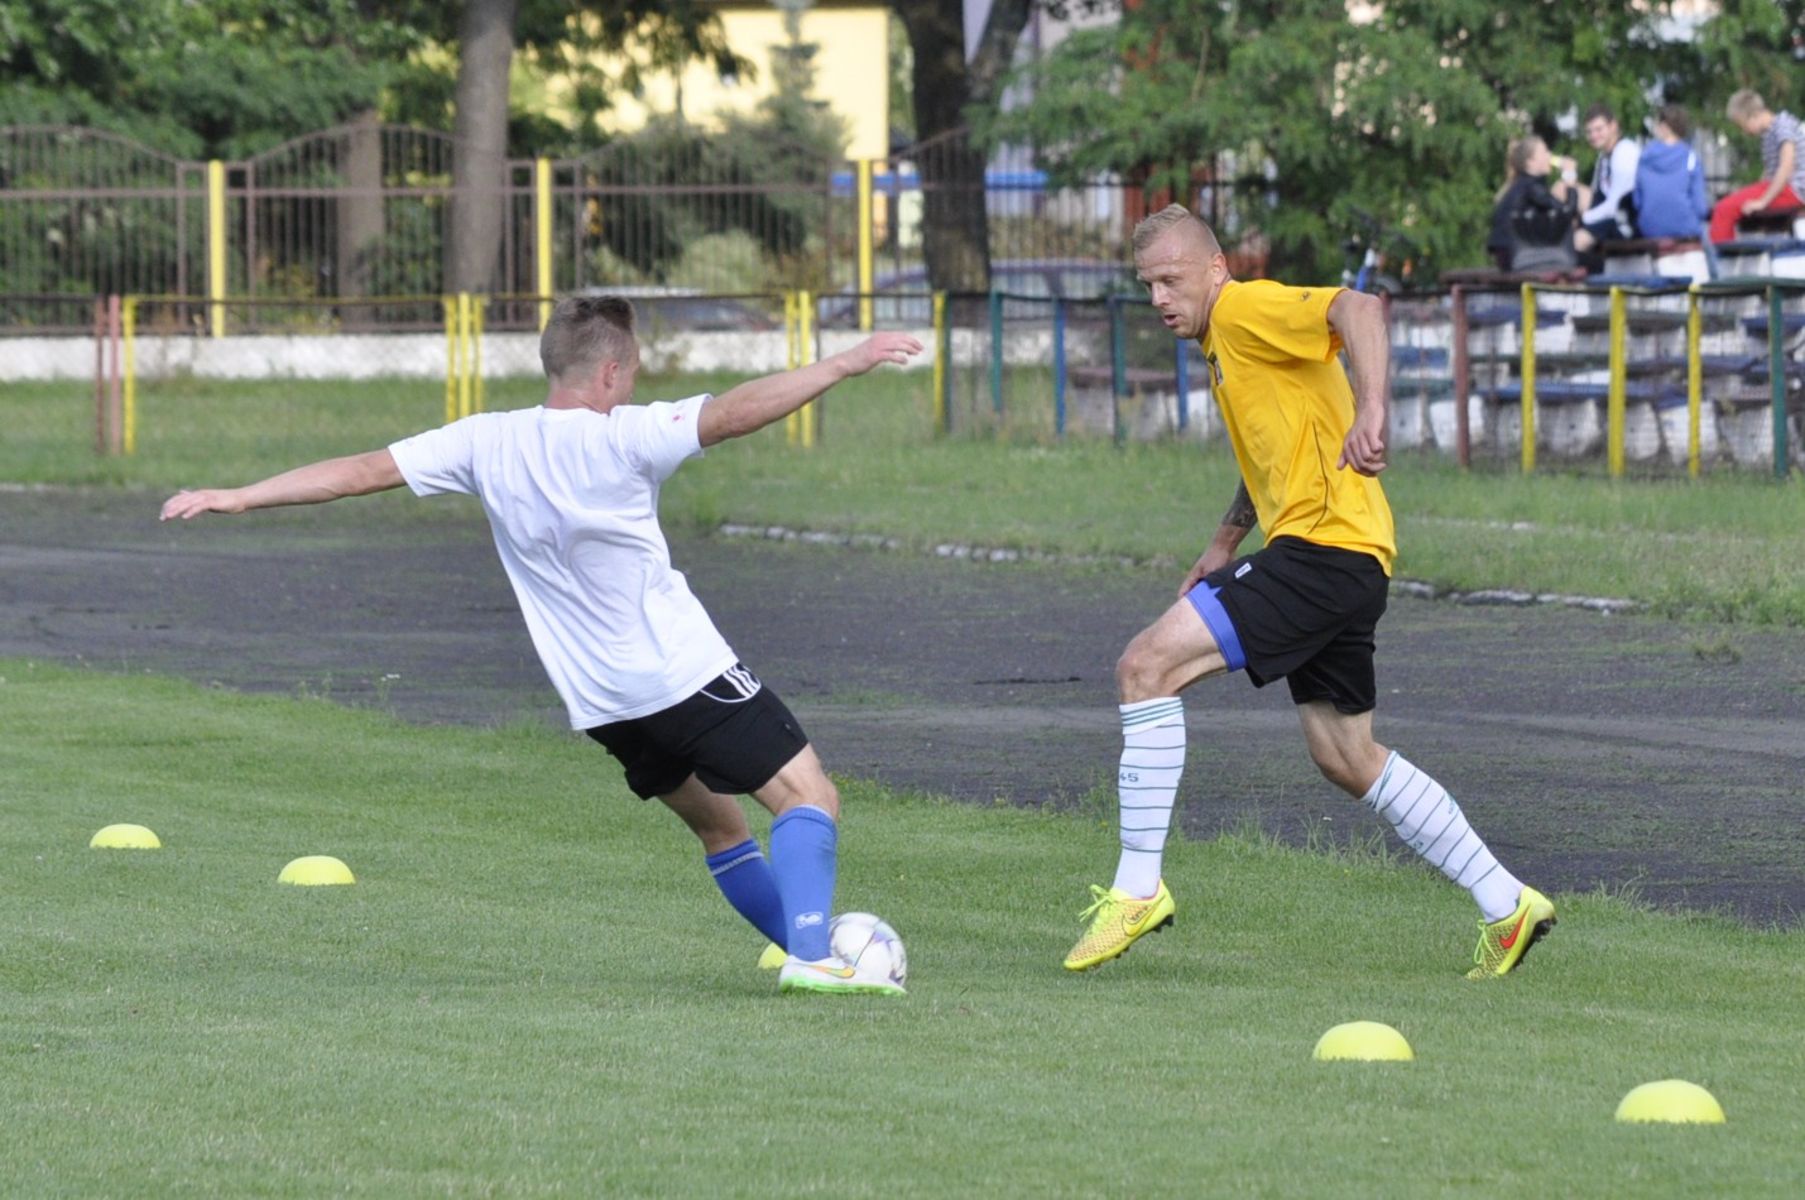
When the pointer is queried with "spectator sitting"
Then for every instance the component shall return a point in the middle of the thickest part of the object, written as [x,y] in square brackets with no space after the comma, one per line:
[1670,180]
[1532,223]
[1782,163]
[1608,216]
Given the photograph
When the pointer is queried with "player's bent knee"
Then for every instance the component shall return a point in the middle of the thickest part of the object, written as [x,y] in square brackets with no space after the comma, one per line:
[801,781]
[1137,675]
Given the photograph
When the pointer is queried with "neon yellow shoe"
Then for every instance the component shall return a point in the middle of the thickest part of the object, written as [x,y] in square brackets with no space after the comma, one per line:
[1116,920]
[772,958]
[1502,944]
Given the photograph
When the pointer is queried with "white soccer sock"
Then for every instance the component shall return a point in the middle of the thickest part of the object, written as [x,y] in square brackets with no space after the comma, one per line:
[1153,757]
[1429,821]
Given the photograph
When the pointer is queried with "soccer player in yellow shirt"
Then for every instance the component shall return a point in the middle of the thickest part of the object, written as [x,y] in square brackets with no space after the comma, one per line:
[1302,609]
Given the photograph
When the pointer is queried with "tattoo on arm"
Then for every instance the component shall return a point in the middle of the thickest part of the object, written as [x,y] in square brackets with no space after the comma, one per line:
[1240,514]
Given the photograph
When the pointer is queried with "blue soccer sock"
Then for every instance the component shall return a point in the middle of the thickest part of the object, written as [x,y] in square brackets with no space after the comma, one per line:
[803,858]
[745,879]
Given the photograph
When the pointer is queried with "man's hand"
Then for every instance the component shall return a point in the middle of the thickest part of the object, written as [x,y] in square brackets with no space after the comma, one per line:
[1756,205]
[881,348]
[188,505]
[1214,559]
[1364,449]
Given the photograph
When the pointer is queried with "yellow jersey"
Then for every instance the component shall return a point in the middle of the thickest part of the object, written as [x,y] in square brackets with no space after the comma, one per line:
[1286,402]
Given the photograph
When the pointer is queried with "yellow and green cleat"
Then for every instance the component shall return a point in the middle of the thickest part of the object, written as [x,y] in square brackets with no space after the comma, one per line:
[1502,944]
[772,958]
[1116,920]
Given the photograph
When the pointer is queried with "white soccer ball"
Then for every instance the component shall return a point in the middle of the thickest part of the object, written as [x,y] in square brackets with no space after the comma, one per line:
[868,944]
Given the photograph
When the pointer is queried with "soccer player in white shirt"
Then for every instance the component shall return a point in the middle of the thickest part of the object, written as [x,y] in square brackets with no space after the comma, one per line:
[571,492]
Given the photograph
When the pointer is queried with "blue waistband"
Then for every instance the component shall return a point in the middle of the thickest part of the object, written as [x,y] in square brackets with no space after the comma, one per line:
[1204,599]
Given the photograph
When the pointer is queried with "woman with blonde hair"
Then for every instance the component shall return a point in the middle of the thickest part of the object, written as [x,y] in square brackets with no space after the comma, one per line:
[1532,220]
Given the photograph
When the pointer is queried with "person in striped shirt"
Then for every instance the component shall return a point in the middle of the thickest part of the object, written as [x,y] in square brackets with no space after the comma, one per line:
[1782,183]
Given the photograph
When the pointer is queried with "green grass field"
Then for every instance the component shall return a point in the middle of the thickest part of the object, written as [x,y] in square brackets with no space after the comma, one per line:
[1724,548]
[533,989]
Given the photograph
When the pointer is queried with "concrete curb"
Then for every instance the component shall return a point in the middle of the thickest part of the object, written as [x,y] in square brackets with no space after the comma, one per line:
[1421,589]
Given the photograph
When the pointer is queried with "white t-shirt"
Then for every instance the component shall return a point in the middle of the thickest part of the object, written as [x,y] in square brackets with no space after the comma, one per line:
[1613,179]
[572,497]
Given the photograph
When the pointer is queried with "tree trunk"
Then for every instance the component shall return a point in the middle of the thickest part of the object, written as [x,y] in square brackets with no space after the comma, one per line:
[955,231]
[479,163]
[359,213]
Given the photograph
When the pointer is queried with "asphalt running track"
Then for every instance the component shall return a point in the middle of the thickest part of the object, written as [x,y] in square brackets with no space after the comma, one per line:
[1587,749]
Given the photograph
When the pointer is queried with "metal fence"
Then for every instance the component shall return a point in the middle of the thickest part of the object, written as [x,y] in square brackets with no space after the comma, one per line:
[363,210]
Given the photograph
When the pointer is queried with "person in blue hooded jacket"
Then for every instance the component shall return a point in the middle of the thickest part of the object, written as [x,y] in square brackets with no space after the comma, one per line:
[1670,180]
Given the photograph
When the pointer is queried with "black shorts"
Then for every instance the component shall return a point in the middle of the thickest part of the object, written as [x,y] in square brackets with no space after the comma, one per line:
[1302,613]
[734,735]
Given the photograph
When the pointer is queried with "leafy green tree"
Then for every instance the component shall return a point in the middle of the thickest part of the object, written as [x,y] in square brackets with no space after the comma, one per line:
[666,34]
[1756,44]
[1316,119]
[223,79]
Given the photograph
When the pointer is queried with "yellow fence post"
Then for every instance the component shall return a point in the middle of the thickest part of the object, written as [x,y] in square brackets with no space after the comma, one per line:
[1695,378]
[216,246]
[451,357]
[940,355]
[866,275]
[477,305]
[542,234]
[463,311]
[1528,371]
[128,329]
[792,358]
[811,415]
[1614,397]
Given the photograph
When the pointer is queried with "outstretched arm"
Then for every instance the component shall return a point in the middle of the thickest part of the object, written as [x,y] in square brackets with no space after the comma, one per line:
[752,405]
[1359,320]
[1237,522]
[356,475]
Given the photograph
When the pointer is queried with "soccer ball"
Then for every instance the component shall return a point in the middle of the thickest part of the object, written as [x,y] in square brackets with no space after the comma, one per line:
[869,944]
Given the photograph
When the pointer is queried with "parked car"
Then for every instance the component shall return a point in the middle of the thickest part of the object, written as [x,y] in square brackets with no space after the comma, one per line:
[1034,278]
[670,309]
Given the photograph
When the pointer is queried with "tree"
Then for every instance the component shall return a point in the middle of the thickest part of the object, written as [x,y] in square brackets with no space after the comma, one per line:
[1756,44]
[669,33]
[224,79]
[1318,118]
[947,89]
[479,162]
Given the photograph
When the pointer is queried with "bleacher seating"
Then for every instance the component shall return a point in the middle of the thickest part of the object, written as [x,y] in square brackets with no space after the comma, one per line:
[1665,258]
[1573,355]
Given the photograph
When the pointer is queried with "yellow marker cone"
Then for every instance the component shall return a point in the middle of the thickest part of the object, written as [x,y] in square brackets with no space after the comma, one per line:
[1671,1100]
[316,870]
[1363,1041]
[124,837]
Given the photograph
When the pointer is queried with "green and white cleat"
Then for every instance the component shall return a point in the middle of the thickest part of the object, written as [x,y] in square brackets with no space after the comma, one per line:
[832,974]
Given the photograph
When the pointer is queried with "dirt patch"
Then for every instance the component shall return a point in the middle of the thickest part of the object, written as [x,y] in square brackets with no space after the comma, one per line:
[1587,749]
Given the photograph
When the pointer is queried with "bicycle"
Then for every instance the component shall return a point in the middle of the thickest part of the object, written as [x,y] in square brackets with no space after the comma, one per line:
[1365,254]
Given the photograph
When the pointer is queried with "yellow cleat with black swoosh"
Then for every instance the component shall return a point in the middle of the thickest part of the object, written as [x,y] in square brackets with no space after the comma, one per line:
[1116,921]
[1502,944]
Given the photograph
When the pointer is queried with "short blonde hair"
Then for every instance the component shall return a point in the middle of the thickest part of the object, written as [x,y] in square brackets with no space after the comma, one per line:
[1745,104]
[1155,226]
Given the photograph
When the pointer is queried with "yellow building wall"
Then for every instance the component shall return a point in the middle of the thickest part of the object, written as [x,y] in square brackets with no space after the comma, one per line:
[852,73]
